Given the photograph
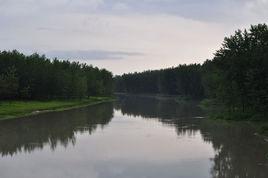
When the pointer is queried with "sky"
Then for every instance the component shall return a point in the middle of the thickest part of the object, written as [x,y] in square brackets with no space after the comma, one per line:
[125,35]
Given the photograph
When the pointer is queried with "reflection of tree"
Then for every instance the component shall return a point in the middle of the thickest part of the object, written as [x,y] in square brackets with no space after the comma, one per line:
[52,128]
[182,116]
[239,153]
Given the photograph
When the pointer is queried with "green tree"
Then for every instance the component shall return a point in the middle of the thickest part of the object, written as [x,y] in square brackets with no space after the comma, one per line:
[9,84]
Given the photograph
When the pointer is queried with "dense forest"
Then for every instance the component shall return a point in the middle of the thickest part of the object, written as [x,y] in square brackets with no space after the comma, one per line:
[36,77]
[238,74]
[183,80]
[236,77]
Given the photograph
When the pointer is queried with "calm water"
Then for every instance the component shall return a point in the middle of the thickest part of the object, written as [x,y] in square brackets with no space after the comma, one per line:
[132,138]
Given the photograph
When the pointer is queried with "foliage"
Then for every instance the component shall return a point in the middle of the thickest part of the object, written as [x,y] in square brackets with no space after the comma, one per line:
[237,76]
[9,83]
[36,77]
[184,80]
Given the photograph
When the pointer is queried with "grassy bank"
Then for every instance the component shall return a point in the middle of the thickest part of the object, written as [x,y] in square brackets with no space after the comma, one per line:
[15,109]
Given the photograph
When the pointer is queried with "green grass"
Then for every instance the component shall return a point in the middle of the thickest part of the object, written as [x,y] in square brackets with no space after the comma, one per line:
[14,109]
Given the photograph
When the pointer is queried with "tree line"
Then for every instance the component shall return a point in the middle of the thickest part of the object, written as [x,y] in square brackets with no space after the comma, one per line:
[184,80]
[37,77]
[236,77]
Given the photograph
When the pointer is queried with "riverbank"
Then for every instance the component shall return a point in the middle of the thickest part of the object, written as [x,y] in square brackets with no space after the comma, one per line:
[17,109]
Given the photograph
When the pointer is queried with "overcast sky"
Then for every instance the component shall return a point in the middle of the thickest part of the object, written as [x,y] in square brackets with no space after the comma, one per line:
[125,35]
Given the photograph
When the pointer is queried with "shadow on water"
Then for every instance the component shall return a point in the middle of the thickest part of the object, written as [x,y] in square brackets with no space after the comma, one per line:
[239,152]
[59,128]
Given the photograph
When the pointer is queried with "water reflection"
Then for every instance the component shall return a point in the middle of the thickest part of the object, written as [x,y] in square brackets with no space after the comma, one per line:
[239,153]
[26,135]
[184,116]
[140,141]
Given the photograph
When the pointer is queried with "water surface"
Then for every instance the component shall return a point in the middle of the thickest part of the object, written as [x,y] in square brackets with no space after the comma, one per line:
[136,137]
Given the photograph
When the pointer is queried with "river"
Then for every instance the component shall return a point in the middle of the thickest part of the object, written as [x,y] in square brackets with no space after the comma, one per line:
[135,137]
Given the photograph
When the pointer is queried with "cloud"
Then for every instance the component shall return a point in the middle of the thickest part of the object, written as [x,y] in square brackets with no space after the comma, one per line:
[166,40]
[169,32]
[205,10]
[91,54]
